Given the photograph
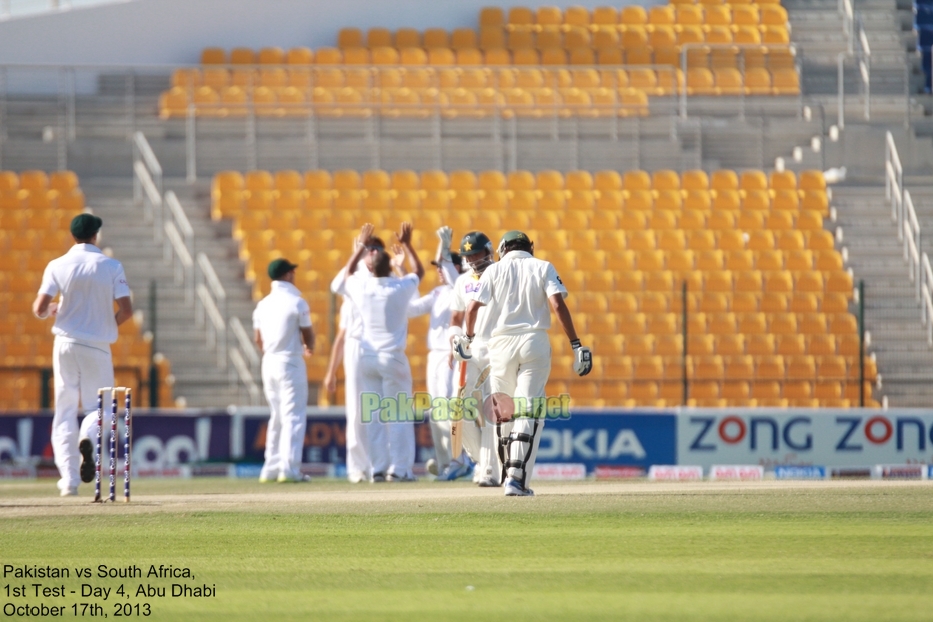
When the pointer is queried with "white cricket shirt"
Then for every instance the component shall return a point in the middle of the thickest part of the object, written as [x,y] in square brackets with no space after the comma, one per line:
[89,282]
[278,318]
[516,291]
[437,303]
[462,294]
[350,319]
[383,306]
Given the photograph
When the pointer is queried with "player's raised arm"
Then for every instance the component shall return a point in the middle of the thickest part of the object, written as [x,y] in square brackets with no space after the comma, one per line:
[366,232]
[404,238]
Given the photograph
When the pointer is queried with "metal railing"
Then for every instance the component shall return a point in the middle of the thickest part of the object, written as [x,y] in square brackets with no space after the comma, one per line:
[193,270]
[859,50]
[904,216]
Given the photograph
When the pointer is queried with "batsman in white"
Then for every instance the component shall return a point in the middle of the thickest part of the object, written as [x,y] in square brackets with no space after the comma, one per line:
[480,442]
[384,369]
[359,438]
[440,377]
[85,325]
[283,332]
[518,291]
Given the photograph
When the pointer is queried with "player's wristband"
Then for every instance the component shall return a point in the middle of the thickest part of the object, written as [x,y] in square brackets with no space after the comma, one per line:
[470,338]
[575,343]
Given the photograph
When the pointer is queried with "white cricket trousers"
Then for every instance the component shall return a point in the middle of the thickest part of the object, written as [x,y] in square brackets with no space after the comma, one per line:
[285,384]
[392,445]
[480,443]
[80,371]
[521,365]
[359,466]
[440,384]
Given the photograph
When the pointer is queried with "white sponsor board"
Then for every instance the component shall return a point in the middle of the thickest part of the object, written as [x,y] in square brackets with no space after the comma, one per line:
[900,471]
[665,472]
[770,437]
[743,472]
[559,472]
[17,472]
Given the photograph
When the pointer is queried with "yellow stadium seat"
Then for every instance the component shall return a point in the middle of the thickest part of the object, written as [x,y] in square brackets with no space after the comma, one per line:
[729,240]
[720,220]
[731,346]
[759,345]
[701,241]
[751,323]
[213,56]
[407,38]
[242,56]
[463,39]
[804,302]
[773,302]
[785,82]
[810,282]
[299,56]
[379,37]
[726,200]
[748,281]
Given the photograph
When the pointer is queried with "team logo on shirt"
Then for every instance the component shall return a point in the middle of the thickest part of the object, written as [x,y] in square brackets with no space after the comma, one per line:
[469,288]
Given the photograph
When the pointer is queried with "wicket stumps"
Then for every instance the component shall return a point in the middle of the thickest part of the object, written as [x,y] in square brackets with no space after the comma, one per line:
[127,438]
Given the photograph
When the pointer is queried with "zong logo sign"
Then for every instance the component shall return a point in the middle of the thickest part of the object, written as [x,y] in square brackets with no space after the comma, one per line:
[846,433]
[753,432]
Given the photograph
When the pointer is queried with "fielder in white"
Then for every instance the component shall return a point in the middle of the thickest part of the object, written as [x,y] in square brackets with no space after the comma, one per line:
[440,376]
[518,291]
[283,332]
[359,438]
[384,369]
[85,325]
[480,442]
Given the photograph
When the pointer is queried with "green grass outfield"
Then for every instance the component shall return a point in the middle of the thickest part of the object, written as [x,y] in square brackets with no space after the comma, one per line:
[430,551]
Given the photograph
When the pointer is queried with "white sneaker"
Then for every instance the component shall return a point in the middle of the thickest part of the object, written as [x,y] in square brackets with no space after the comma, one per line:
[514,489]
[431,466]
[356,478]
[293,479]
[488,482]
[69,492]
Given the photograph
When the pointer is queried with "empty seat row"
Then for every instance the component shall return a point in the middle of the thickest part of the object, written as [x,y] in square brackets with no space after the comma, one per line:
[705,325]
[348,102]
[708,302]
[725,345]
[664,179]
[373,80]
[551,17]
[635,47]
[627,37]
[726,370]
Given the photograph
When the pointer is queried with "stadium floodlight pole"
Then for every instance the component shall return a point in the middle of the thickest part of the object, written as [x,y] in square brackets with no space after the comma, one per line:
[684,332]
[861,342]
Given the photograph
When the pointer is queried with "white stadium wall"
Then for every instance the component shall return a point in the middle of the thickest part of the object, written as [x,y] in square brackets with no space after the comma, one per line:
[173,32]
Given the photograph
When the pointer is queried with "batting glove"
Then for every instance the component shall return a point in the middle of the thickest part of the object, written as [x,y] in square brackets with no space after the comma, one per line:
[445,235]
[461,346]
[582,358]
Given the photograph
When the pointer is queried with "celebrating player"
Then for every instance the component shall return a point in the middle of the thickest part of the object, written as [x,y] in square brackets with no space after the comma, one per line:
[360,439]
[384,370]
[517,291]
[439,374]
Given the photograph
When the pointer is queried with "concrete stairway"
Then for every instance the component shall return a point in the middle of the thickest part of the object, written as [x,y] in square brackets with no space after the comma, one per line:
[892,315]
[198,378]
[817,31]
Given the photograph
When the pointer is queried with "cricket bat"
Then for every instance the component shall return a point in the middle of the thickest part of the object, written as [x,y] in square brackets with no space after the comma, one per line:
[456,427]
